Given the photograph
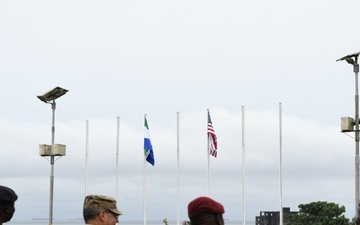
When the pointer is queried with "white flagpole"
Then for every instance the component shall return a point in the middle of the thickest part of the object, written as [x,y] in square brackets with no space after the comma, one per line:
[208,157]
[145,186]
[86,157]
[178,169]
[117,156]
[243,162]
[280,165]
[144,191]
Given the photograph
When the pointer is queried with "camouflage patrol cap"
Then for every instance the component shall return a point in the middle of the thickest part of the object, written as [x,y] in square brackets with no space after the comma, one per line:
[7,194]
[101,202]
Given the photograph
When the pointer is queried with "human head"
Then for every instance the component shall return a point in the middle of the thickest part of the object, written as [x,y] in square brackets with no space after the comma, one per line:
[204,210]
[7,203]
[100,209]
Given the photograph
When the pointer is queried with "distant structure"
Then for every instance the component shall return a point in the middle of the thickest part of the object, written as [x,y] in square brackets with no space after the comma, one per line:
[273,217]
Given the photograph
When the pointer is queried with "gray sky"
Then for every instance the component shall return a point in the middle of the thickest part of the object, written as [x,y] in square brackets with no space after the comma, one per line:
[128,58]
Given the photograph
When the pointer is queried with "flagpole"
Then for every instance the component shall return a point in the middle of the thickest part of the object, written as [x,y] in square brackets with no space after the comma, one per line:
[243,162]
[280,165]
[86,157]
[117,156]
[178,168]
[208,160]
[144,191]
[145,186]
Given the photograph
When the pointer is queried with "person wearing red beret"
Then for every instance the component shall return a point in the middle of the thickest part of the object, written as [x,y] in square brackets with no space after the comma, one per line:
[7,204]
[205,211]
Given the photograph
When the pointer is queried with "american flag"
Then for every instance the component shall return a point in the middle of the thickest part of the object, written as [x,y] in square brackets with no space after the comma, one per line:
[212,139]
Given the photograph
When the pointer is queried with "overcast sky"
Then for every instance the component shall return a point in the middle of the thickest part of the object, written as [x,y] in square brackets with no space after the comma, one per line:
[130,58]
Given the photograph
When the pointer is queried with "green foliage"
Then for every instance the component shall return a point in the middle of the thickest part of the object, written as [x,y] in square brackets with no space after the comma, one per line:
[165,221]
[320,213]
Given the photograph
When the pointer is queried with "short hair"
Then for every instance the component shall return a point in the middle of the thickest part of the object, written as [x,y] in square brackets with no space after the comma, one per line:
[4,204]
[89,214]
[207,218]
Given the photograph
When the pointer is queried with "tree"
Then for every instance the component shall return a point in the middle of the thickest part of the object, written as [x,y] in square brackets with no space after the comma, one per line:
[320,213]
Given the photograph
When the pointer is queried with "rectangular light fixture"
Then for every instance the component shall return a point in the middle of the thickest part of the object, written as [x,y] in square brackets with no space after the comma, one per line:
[52,94]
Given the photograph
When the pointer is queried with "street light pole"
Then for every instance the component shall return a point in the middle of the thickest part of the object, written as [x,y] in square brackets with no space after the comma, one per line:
[357,170]
[51,200]
[49,97]
[353,60]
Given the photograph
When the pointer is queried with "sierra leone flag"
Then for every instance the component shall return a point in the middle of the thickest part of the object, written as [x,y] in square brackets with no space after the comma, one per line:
[148,150]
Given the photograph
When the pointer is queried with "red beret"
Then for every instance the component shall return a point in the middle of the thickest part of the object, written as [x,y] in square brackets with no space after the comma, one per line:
[204,205]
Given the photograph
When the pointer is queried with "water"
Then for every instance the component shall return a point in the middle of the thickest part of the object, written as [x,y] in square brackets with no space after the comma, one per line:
[80,222]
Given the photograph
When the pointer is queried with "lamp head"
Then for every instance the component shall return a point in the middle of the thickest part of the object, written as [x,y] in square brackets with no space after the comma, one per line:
[350,61]
[351,58]
[52,94]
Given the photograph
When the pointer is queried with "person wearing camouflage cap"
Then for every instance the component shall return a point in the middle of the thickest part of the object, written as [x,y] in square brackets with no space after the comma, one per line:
[7,204]
[100,210]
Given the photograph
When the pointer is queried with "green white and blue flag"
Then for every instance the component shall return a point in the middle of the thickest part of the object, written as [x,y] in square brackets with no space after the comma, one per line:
[148,149]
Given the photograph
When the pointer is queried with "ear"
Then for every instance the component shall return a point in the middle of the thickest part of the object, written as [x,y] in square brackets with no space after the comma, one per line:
[220,219]
[102,215]
[7,208]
